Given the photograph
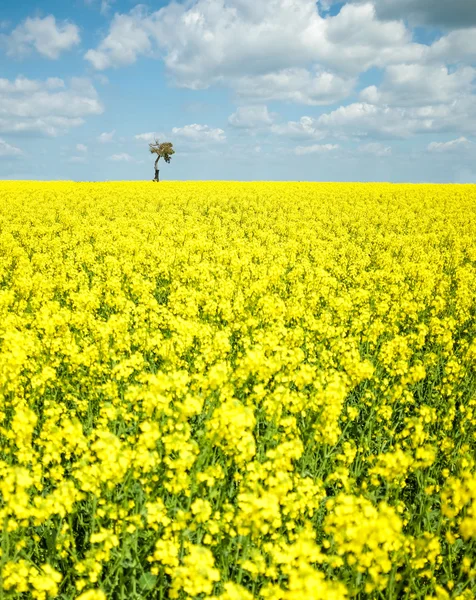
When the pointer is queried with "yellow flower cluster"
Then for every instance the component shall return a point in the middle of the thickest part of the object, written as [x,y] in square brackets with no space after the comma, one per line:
[237,391]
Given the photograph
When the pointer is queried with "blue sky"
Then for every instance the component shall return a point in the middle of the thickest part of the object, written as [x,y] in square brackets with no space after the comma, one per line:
[276,90]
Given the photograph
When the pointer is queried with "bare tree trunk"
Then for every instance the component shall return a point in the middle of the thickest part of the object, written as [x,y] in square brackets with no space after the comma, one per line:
[156,178]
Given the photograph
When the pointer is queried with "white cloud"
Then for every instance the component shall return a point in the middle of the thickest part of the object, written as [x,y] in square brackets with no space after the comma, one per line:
[23,85]
[128,38]
[106,137]
[122,157]
[199,133]
[296,85]
[325,5]
[287,50]
[47,107]
[6,150]
[452,145]
[149,137]
[250,117]
[375,148]
[420,85]
[81,99]
[46,36]
[50,126]
[104,5]
[455,47]
[365,120]
[280,49]
[81,148]
[457,13]
[362,119]
[305,128]
[315,149]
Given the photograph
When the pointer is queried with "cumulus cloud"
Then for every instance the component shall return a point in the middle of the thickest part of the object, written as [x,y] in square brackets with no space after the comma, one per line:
[128,38]
[45,35]
[250,117]
[455,47]
[6,150]
[306,128]
[298,85]
[419,85]
[47,107]
[199,133]
[295,51]
[452,145]
[361,120]
[49,126]
[149,137]
[26,86]
[315,149]
[81,148]
[440,13]
[370,122]
[104,5]
[106,137]
[279,49]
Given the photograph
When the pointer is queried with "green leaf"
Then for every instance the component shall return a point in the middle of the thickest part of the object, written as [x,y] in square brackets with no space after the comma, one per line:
[147,581]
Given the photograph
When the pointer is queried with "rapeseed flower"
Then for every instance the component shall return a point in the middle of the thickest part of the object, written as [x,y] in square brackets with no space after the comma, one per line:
[237,391]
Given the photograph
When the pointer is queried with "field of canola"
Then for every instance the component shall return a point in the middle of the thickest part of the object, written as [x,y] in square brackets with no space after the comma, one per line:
[235,391]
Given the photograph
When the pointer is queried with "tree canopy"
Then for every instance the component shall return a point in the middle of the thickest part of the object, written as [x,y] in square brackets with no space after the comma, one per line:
[163,150]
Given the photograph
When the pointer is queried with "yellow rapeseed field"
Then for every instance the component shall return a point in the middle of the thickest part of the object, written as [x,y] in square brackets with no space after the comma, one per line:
[233,391]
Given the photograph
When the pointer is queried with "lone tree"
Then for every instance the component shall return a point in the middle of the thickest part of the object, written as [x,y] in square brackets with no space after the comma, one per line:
[163,150]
